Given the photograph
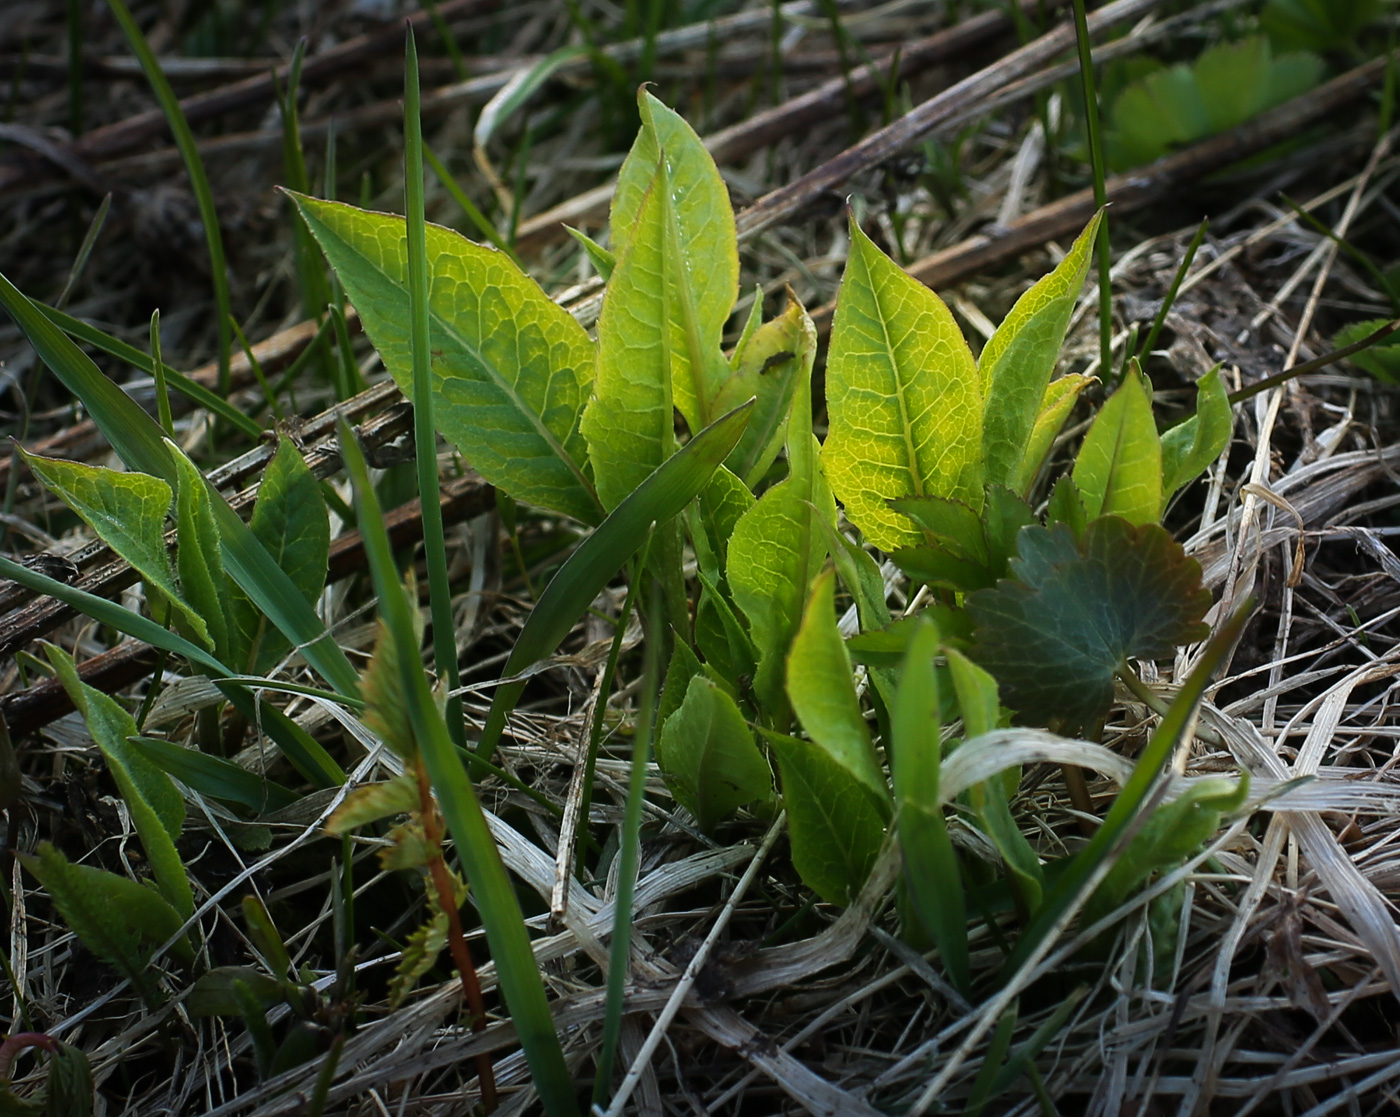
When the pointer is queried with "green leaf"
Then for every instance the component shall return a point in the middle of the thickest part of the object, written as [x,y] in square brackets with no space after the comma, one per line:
[127,512]
[683,667]
[70,1090]
[1318,24]
[290,521]
[708,756]
[214,777]
[822,692]
[775,358]
[1381,360]
[861,575]
[965,552]
[156,806]
[1155,115]
[836,823]
[198,559]
[385,712]
[1189,448]
[702,257]
[117,919]
[673,485]
[1078,609]
[903,398]
[1020,358]
[1233,79]
[603,261]
[510,368]
[213,994]
[1055,406]
[140,442]
[1119,468]
[629,422]
[375,801]
[722,505]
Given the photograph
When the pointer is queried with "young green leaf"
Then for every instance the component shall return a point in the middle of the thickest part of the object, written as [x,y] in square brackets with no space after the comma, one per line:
[1119,468]
[157,808]
[702,268]
[836,822]
[1076,610]
[197,557]
[385,712]
[821,690]
[127,512]
[1055,406]
[775,358]
[375,801]
[723,503]
[1020,358]
[707,754]
[511,369]
[930,866]
[117,919]
[289,520]
[629,422]
[965,551]
[1189,448]
[903,398]
[603,261]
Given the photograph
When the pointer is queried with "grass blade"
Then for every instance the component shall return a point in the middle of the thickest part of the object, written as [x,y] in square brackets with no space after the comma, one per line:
[476,848]
[139,441]
[424,430]
[199,181]
[215,777]
[1094,127]
[673,485]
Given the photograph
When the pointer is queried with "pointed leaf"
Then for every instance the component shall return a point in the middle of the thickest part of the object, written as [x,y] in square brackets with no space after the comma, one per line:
[708,756]
[629,423]
[822,692]
[127,512]
[214,777]
[510,368]
[903,398]
[836,823]
[1055,406]
[1077,610]
[1119,468]
[198,558]
[603,261]
[1020,358]
[703,258]
[1189,448]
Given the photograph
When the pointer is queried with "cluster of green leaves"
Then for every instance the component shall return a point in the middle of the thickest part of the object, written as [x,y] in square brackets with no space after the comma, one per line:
[1227,85]
[68,1091]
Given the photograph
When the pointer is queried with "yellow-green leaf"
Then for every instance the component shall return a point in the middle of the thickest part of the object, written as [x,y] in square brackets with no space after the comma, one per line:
[1189,447]
[822,690]
[1020,358]
[904,401]
[1055,406]
[510,368]
[127,511]
[1119,468]
[629,423]
[197,557]
[703,256]
[375,801]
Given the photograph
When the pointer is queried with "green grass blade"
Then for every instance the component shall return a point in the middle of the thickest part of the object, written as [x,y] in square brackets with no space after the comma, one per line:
[139,441]
[478,219]
[1094,128]
[424,431]
[1130,798]
[476,848]
[1177,280]
[167,421]
[620,950]
[215,777]
[199,181]
[673,485]
[95,226]
[114,347]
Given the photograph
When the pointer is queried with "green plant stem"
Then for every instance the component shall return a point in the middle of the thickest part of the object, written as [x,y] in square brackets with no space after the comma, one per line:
[167,422]
[424,431]
[1094,129]
[1316,363]
[628,856]
[456,940]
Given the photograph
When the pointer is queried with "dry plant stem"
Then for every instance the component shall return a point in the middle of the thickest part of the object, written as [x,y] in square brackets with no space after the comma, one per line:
[456,940]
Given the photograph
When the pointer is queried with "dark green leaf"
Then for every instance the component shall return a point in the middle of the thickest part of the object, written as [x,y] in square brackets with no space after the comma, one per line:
[707,754]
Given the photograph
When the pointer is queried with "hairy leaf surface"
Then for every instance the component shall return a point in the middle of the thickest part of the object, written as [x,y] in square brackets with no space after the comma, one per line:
[903,396]
[510,368]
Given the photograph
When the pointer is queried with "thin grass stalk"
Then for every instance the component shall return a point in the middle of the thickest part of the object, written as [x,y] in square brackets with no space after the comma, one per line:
[258,374]
[199,181]
[424,432]
[1316,363]
[1172,292]
[474,215]
[95,227]
[1094,128]
[629,854]
[502,918]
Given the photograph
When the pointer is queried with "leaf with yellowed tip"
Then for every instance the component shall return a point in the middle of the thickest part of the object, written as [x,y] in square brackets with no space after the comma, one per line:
[1055,406]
